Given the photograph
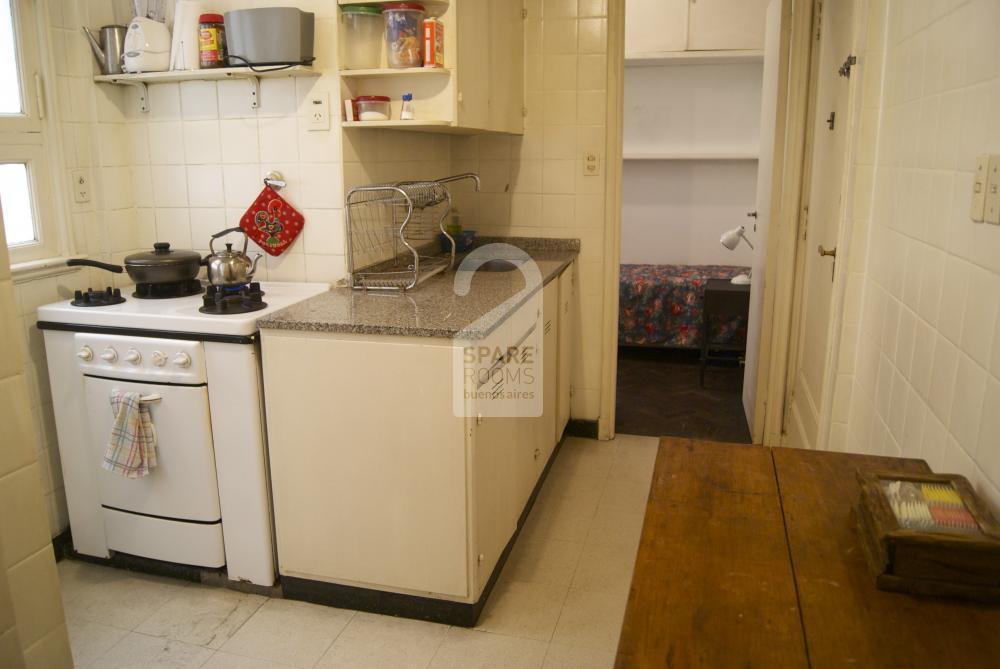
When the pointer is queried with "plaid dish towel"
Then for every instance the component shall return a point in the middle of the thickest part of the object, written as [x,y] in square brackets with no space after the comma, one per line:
[132,449]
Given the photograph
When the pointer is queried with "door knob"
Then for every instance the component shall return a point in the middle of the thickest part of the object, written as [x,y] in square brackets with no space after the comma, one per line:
[828,252]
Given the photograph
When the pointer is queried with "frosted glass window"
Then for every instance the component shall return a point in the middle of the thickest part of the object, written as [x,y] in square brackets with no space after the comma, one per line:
[15,200]
[10,81]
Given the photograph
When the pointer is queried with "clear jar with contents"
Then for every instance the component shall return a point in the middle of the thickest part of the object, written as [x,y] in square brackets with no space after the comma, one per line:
[211,41]
[372,107]
[404,33]
[363,31]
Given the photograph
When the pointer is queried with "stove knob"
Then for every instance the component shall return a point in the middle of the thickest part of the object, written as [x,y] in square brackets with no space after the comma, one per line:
[85,354]
[133,356]
[182,360]
[159,358]
[109,355]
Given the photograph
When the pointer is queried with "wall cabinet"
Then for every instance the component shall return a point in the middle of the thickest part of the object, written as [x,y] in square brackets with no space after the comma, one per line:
[480,88]
[658,26]
[378,482]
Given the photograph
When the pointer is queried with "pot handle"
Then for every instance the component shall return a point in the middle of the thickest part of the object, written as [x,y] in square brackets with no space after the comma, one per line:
[76,262]
[227,231]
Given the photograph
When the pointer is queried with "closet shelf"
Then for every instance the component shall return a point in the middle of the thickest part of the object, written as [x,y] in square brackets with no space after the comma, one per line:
[395,72]
[690,155]
[656,58]
[419,126]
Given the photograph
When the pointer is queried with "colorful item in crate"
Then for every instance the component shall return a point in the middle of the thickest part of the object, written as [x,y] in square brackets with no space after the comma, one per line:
[404,33]
[928,506]
[271,222]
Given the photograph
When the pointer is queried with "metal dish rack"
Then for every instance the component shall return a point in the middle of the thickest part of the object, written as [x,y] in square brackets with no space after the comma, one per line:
[392,233]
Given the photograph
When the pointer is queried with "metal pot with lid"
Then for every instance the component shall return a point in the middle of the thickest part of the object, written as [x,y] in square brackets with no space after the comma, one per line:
[161,265]
[229,267]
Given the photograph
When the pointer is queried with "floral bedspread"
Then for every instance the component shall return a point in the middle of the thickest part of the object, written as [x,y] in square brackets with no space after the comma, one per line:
[661,305]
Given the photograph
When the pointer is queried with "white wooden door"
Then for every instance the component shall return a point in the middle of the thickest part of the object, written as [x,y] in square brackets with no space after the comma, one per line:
[726,24]
[826,202]
[652,26]
[757,227]
[566,337]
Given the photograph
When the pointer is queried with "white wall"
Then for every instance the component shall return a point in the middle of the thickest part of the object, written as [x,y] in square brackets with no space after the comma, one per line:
[673,212]
[919,371]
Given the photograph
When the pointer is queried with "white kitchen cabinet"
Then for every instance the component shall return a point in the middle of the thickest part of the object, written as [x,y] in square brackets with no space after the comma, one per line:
[725,25]
[481,86]
[377,483]
[566,326]
[664,27]
[653,26]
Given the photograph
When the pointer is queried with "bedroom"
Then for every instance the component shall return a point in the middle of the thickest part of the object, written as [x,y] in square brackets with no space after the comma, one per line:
[691,218]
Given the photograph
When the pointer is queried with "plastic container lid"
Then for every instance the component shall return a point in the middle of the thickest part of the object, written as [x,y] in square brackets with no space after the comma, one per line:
[403,5]
[361,9]
[210,18]
[372,98]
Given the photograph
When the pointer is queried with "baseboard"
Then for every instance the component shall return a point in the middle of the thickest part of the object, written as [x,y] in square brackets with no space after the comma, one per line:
[579,427]
[62,545]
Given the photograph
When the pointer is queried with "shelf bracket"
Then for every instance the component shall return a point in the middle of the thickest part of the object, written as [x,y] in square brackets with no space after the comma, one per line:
[143,92]
[254,82]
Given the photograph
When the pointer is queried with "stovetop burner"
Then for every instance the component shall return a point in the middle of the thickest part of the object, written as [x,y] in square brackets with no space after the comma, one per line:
[239,300]
[166,291]
[97,298]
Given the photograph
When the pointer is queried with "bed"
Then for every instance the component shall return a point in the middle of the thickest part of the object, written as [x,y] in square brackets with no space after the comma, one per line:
[662,305]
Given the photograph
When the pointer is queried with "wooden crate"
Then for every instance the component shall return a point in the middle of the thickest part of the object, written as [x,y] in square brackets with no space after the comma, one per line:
[928,534]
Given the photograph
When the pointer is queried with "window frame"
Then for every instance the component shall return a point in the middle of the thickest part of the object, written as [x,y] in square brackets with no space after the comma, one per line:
[24,138]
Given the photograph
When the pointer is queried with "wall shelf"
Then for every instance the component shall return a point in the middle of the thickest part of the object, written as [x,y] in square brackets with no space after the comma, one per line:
[433,7]
[396,72]
[419,126]
[690,155]
[660,58]
[142,79]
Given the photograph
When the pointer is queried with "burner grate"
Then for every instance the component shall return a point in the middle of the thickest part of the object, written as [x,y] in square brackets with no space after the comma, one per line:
[220,300]
[166,291]
[97,298]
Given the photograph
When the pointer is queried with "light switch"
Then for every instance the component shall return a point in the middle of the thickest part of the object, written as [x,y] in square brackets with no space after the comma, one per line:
[978,207]
[992,213]
[319,112]
[591,164]
[81,186]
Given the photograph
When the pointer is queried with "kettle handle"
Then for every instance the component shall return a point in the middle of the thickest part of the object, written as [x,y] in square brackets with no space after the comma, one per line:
[227,231]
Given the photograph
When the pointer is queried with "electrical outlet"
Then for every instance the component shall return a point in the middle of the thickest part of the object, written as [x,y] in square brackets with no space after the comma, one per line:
[977,209]
[318,109]
[591,164]
[81,186]
[992,211]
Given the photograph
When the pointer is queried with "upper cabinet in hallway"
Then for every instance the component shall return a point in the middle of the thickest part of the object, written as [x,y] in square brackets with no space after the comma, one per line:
[660,26]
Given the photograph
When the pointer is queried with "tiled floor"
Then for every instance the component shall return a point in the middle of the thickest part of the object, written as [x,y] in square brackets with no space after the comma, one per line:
[559,602]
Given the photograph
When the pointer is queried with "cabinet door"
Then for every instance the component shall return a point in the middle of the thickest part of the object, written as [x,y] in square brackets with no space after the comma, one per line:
[656,25]
[550,372]
[493,492]
[724,24]
[506,48]
[566,328]
[472,71]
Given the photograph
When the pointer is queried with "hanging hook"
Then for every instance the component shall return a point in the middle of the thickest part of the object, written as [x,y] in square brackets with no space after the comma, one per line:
[275,180]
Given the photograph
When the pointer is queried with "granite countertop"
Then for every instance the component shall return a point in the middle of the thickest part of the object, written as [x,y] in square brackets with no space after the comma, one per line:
[433,308]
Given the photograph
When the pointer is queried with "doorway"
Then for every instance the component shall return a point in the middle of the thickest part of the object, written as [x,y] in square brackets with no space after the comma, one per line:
[697,83]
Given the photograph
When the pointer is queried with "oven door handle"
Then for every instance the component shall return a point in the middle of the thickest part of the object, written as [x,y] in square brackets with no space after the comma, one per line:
[155,397]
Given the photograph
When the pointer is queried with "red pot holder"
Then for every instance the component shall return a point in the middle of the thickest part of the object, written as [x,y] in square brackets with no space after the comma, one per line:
[271,222]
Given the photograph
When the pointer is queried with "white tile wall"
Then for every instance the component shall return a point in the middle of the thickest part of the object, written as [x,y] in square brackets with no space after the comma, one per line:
[923,379]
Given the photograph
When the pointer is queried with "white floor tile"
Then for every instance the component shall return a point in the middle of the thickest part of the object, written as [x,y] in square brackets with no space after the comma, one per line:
[202,615]
[89,641]
[560,656]
[619,529]
[545,562]
[122,599]
[526,610]
[468,649]
[138,651]
[591,619]
[289,632]
[223,660]
[605,567]
[624,496]
[384,642]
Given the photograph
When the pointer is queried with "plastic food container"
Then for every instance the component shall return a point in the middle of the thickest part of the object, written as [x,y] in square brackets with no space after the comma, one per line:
[371,108]
[404,33]
[362,37]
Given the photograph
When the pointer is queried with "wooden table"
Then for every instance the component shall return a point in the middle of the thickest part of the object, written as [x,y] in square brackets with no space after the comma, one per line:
[749,558]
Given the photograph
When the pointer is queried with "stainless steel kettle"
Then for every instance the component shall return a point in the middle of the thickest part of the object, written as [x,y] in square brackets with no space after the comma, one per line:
[229,267]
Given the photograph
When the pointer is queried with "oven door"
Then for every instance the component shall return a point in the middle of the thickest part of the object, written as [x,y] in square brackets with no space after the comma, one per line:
[183,486]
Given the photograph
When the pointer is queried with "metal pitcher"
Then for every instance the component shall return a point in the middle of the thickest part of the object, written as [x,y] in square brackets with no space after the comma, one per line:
[108,51]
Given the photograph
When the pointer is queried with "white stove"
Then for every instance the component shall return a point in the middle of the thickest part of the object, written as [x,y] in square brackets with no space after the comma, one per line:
[207,503]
